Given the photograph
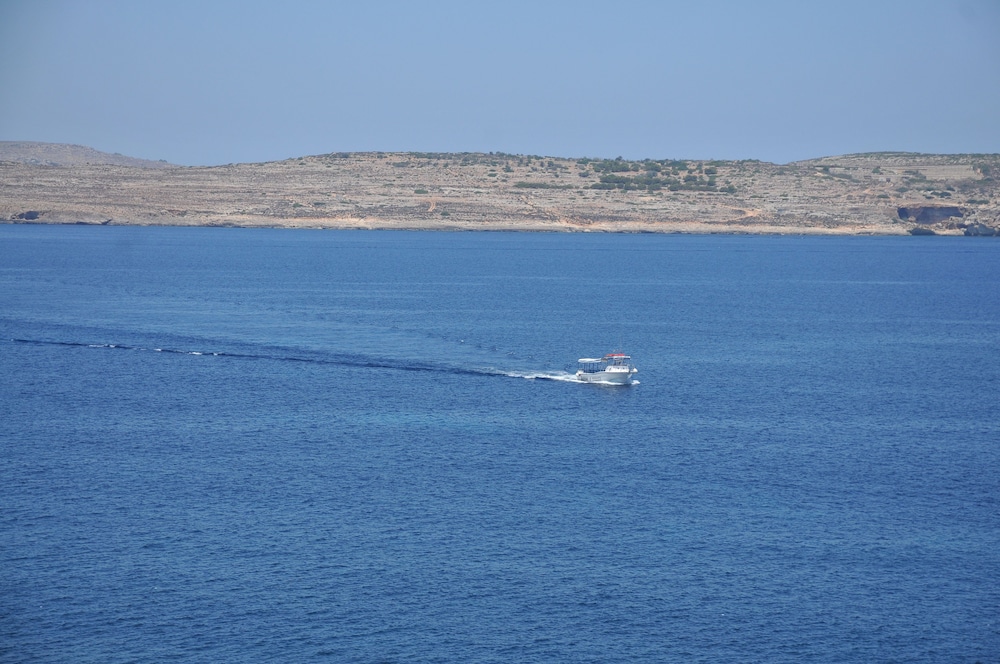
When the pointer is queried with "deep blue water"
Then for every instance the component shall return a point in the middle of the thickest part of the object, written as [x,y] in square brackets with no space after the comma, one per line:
[262,445]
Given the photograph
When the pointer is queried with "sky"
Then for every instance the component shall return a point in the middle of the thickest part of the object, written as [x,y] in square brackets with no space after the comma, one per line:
[214,82]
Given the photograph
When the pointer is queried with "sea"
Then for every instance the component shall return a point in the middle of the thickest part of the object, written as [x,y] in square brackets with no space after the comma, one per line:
[259,445]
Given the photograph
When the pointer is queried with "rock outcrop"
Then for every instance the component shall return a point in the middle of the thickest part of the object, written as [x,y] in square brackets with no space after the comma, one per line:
[930,214]
[981,230]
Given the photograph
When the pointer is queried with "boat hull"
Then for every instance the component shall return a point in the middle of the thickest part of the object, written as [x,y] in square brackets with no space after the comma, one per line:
[606,377]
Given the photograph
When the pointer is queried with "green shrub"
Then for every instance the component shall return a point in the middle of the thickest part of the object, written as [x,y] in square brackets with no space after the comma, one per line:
[614,166]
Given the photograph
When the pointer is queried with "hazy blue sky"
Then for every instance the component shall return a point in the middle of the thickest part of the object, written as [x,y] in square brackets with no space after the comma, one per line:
[215,82]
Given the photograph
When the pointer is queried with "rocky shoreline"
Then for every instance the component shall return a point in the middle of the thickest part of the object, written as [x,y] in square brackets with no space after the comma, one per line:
[866,194]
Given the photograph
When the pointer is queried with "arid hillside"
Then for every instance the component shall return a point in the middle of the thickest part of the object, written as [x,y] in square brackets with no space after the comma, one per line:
[880,193]
[63,154]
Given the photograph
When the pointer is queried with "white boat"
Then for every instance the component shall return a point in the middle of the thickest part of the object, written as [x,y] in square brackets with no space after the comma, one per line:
[612,369]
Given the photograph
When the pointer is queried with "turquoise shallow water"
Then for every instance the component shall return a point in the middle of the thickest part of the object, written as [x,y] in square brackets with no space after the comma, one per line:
[247,445]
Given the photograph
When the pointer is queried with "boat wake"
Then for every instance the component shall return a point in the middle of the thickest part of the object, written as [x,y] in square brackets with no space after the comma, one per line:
[77,344]
[561,376]
[343,360]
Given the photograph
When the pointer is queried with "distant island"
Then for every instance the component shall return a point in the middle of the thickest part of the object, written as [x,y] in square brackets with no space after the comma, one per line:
[887,193]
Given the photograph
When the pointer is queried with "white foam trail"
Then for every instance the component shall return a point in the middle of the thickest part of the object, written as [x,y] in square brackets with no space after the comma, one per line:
[543,375]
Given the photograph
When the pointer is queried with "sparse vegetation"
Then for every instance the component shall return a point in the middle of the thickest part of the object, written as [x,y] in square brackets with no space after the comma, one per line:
[337,189]
[541,185]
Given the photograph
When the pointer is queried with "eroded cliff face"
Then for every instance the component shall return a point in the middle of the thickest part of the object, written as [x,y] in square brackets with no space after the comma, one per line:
[930,214]
[981,230]
[950,220]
